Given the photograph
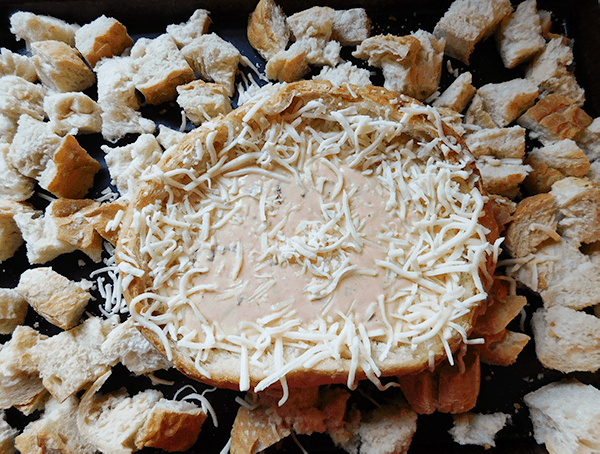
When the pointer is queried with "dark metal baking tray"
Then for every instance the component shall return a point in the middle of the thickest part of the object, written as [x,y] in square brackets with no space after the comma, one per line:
[502,388]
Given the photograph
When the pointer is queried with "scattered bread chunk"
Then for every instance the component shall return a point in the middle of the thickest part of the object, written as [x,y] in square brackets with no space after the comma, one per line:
[458,95]
[561,274]
[501,309]
[53,296]
[478,115]
[70,173]
[305,411]
[33,146]
[350,26]
[533,222]
[144,420]
[202,101]
[553,162]
[72,360]
[594,172]
[501,143]
[268,31]
[478,429]
[106,218]
[503,350]
[214,60]
[502,209]
[448,389]
[554,118]
[565,416]
[588,140]
[74,113]
[506,101]
[127,345]
[466,23]
[118,100]
[159,68]
[288,65]
[519,36]
[126,164]
[7,436]
[20,383]
[578,202]
[13,310]
[36,27]
[13,64]
[566,339]
[388,429]
[20,97]
[60,67]
[104,37]
[411,64]
[345,73]
[55,431]
[312,29]
[502,176]
[10,235]
[549,71]
[167,137]
[195,26]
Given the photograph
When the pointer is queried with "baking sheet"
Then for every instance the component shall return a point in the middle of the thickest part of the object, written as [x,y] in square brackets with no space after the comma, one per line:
[502,388]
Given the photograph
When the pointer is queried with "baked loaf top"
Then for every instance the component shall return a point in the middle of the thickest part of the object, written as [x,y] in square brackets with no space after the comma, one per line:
[313,235]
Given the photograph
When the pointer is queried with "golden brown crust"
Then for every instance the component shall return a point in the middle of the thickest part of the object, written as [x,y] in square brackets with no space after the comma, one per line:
[223,366]
[267,29]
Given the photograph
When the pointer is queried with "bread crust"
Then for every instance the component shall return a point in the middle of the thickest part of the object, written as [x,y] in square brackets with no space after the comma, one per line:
[223,366]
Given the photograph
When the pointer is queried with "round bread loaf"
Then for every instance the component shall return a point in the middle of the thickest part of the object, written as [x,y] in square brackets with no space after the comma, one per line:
[313,235]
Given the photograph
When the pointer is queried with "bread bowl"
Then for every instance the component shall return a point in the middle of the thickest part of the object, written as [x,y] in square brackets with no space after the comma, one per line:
[306,332]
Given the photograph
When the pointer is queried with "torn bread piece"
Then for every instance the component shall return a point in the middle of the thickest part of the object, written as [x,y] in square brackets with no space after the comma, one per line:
[214,60]
[60,67]
[168,137]
[533,222]
[20,383]
[48,235]
[268,31]
[504,348]
[36,27]
[561,274]
[72,360]
[478,429]
[73,112]
[478,115]
[565,416]
[350,26]
[20,97]
[55,297]
[13,310]
[519,36]
[7,435]
[554,118]
[501,143]
[550,72]
[411,64]
[118,100]
[506,101]
[127,345]
[466,23]
[159,68]
[128,163]
[553,162]
[145,420]
[106,218]
[104,37]
[10,235]
[502,176]
[195,26]
[55,431]
[458,95]
[202,101]
[578,202]
[588,139]
[14,64]
[566,339]
[288,65]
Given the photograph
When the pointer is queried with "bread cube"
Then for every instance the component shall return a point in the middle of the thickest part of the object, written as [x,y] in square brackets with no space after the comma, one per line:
[104,37]
[202,101]
[186,32]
